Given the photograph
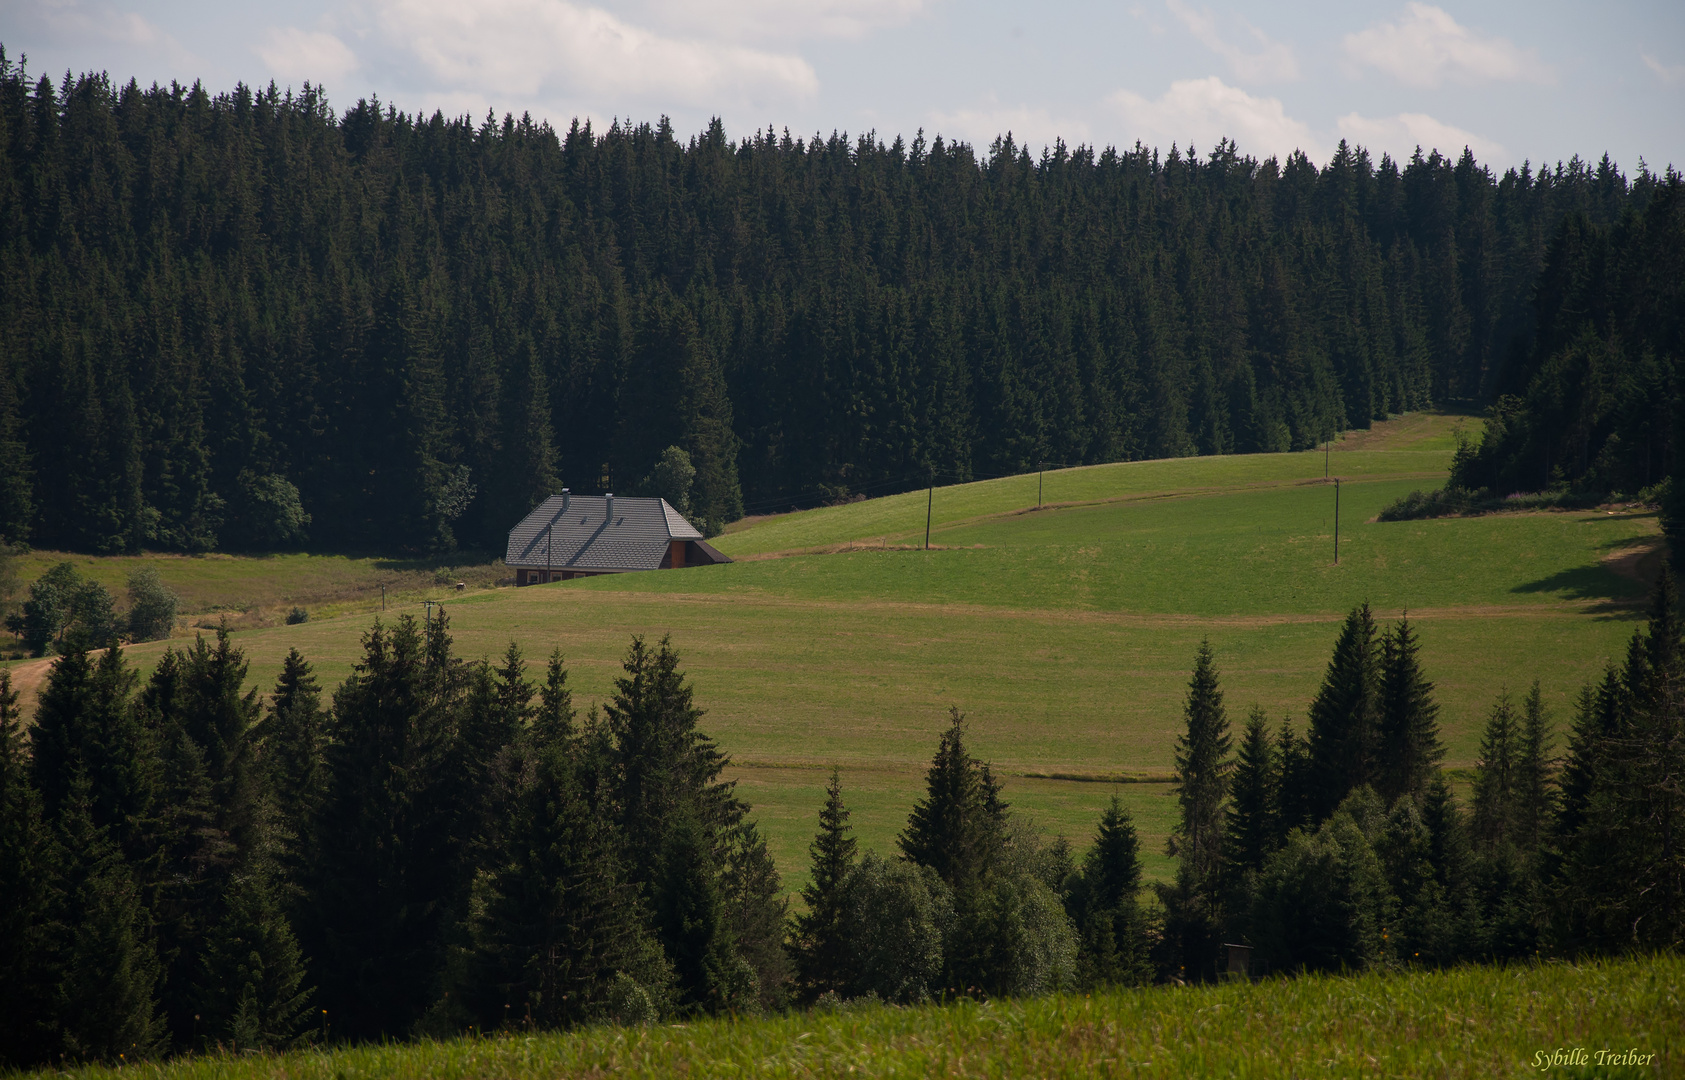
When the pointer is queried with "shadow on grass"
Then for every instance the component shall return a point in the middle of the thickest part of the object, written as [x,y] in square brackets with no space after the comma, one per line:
[1612,597]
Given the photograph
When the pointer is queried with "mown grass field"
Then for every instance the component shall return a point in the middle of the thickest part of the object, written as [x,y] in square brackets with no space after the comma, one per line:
[1470,1022]
[1066,633]
[252,592]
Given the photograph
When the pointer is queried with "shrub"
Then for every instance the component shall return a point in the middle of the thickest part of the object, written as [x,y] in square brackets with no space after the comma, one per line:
[152,607]
[1323,903]
[1441,502]
[896,914]
[629,1004]
[62,602]
[1450,501]
[297,615]
[672,478]
[269,512]
[1032,946]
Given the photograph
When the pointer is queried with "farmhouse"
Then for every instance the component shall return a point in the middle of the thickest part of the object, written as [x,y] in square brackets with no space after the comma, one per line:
[570,536]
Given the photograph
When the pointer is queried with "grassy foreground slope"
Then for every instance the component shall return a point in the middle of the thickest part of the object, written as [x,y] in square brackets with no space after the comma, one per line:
[1470,1022]
[1065,633]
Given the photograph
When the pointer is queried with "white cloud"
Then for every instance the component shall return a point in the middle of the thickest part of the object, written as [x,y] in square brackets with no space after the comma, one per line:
[534,48]
[1201,111]
[1400,135]
[1032,127]
[1427,47]
[74,20]
[787,19]
[306,55]
[1669,74]
[1272,62]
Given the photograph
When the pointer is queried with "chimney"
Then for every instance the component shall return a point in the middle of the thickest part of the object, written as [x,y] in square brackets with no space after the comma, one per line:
[564,500]
[609,496]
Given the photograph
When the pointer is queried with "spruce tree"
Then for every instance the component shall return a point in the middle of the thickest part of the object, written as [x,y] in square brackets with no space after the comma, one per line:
[25,898]
[1534,797]
[250,985]
[756,912]
[556,920]
[660,769]
[1493,819]
[1442,921]
[1597,715]
[1344,717]
[17,503]
[958,827]
[294,746]
[483,761]
[194,859]
[553,722]
[662,764]
[1202,772]
[219,714]
[1410,748]
[1624,875]
[214,820]
[87,727]
[104,963]
[1192,903]
[1252,829]
[1294,788]
[385,847]
[691,919]
[817,941]
[1102,902]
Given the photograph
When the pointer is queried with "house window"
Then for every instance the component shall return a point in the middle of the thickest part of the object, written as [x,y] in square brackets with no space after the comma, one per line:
[532,577]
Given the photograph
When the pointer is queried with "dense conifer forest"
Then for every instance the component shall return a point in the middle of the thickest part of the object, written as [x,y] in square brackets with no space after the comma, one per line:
[443,846]
[248,320]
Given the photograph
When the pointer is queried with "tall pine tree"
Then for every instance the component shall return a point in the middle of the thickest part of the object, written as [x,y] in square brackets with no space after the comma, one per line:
[1344,717]
[1410,748]
[817,938]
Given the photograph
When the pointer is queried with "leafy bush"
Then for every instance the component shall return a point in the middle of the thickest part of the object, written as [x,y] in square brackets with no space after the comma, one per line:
[270,513]
[896,916]
[1026,941]
[1441,502]
[152,606]
[672,479]
[297,615]
[630,1004]
[1451,501]
[1323,903]
[62,602]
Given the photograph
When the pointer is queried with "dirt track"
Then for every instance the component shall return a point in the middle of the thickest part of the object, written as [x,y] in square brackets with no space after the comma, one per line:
[27,679]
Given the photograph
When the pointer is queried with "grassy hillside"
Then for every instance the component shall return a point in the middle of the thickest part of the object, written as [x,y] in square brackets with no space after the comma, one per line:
[257,591]
[1066,633]
[1472,1022]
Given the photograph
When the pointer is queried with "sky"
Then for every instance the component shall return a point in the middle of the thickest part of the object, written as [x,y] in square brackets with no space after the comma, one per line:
[1539,81]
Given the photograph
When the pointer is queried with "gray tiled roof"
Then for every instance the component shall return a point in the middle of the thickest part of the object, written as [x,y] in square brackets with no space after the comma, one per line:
[578,537]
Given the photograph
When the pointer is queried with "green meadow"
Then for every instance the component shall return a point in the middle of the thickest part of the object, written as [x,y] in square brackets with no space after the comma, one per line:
[1468,1022]
[1065,633]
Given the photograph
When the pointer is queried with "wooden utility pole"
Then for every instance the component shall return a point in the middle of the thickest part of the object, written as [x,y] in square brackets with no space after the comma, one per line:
[1336,521]
[929,501]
